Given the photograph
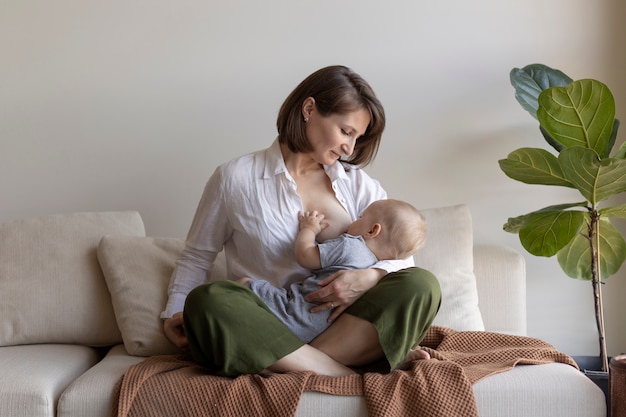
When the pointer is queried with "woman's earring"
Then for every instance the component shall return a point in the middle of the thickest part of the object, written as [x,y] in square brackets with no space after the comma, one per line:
[306,120]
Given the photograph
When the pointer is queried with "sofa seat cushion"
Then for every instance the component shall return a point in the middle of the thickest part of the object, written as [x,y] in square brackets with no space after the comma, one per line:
[548,390]
[52,287]
[91,394]
[34,376]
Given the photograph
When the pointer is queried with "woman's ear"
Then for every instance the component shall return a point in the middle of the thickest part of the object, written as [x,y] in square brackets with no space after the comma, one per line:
[308,105]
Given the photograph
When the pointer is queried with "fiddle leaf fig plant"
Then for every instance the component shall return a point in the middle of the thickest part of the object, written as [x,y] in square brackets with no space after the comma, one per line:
[577,120]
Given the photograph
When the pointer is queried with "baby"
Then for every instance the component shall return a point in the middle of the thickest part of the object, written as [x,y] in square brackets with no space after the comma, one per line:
[387,229]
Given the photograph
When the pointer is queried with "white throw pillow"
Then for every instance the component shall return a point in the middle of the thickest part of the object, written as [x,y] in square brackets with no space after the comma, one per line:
[51,284]
[137,272]
[448,254]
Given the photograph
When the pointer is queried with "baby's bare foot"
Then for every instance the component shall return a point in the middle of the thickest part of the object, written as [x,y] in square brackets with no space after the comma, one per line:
[244,280]
[414,355]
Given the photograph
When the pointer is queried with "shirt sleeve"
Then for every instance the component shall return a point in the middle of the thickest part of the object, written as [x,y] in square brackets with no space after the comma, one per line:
[208,232]
[394,265]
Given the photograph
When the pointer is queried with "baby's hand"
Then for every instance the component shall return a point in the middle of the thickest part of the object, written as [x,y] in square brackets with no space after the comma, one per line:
[312,220]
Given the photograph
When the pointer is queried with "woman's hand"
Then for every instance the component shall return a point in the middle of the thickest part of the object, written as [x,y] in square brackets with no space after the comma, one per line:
[340,290]
[174,329]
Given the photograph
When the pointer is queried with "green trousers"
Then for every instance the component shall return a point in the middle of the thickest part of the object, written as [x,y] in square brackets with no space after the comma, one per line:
[231,331]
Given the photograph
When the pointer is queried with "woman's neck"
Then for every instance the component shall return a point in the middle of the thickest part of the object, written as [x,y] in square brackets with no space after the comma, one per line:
[299,164]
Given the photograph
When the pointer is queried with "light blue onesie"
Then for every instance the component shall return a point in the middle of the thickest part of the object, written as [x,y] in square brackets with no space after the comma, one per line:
[289,305]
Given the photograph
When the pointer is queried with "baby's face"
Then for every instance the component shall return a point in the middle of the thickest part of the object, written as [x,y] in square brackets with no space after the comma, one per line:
[363,224]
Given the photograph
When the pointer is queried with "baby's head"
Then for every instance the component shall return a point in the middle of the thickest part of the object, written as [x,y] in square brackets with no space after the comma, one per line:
[401,231]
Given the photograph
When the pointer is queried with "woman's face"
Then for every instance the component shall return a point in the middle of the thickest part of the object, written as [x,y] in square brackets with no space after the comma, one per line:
[333,136]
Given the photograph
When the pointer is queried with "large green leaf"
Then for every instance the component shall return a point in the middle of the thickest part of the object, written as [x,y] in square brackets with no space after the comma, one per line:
[547,232]
[534,166]
[514,224]
[531,80]
[581,114]
[575,258]
[596,179]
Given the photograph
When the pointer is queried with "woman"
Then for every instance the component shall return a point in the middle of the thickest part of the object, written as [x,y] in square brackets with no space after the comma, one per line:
[250,207]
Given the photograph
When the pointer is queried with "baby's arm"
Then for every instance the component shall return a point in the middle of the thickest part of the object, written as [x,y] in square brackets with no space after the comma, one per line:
[307,253]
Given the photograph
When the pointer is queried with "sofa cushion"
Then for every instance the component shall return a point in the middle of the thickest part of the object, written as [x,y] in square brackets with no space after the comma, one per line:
[448,253]
[91,394]
[137,271]
[51,283]
[33,377]
[553,389]
[501,283]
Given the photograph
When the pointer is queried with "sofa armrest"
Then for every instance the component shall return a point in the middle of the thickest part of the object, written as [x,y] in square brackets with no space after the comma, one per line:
[501,282]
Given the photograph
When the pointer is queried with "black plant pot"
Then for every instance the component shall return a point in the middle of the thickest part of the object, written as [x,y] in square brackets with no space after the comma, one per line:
[590,366]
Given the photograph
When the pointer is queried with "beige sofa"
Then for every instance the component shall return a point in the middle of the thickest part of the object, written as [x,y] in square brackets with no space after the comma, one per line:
[82,292]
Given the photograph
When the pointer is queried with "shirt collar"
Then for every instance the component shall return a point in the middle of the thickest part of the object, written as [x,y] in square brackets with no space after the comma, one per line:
[274,162]
[336,171]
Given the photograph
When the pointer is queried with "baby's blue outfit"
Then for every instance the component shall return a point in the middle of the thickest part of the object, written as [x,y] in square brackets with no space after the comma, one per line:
[289,305]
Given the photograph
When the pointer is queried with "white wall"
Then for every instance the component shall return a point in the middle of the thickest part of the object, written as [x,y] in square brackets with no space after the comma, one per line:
[131,104]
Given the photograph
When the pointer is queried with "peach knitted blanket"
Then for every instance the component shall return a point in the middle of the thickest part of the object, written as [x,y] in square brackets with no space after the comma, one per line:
[172,385]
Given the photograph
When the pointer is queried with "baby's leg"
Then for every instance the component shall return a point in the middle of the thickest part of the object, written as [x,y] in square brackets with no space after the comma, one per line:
[244,280]
[416,354]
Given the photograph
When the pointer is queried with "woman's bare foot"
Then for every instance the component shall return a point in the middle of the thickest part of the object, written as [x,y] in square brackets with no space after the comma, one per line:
[416,354]
[307,358]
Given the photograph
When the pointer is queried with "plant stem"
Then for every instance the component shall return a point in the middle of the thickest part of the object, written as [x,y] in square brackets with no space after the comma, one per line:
[596,282]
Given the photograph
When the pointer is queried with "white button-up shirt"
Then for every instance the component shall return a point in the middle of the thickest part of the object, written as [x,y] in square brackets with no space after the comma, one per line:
[249,208]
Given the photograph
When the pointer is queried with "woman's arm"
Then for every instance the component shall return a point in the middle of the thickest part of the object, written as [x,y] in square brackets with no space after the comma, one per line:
[205,239]
[193,268]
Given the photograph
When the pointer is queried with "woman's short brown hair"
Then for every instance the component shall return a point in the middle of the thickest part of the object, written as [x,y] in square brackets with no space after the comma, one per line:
[336,90]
